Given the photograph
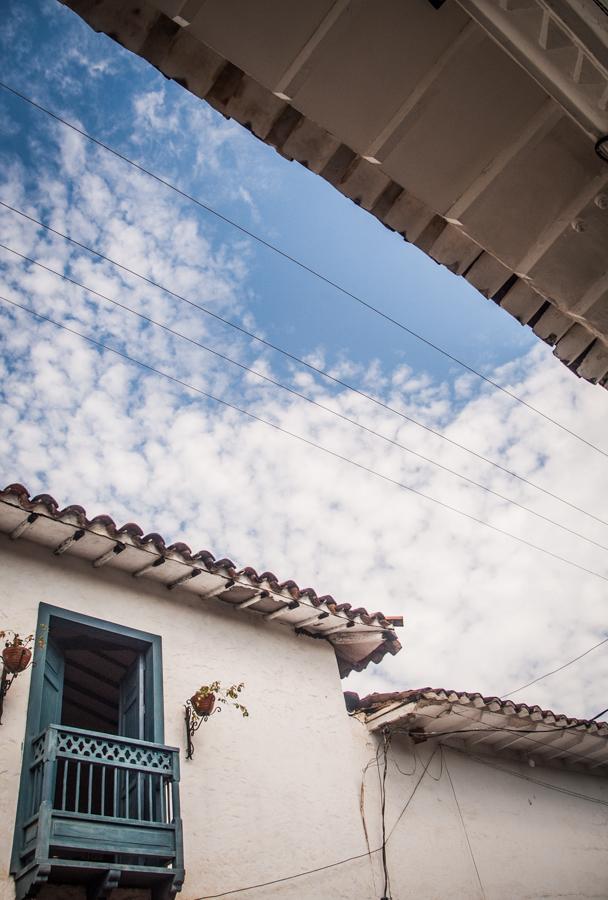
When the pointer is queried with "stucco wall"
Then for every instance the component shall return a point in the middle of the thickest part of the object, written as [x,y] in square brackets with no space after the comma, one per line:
[279,793]
[264,797]
[528,841]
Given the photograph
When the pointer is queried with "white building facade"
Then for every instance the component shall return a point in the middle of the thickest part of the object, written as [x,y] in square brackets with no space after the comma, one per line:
[97,796]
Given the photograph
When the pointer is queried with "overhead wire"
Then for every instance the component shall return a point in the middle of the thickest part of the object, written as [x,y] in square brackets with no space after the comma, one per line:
[425,771]
[294,392]
[382,787]
[464,828]
[252,887]
[185,337]
[425,768]
[525,733]
[360,466]
[494,729]
[417,336]
[297,262]
[554,671]
[552,787]
[310,366]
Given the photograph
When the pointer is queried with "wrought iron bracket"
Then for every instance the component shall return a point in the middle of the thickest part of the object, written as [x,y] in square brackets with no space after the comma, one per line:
[6,681]
[193,723]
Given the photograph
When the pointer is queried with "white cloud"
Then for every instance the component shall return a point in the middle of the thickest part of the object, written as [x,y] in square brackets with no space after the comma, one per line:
[153,111]
[482,612]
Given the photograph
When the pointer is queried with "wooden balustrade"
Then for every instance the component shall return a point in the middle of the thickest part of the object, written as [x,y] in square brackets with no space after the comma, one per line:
[99,804]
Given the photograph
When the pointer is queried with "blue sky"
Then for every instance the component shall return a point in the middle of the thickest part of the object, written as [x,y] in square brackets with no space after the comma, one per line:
[482,613]
[291,207]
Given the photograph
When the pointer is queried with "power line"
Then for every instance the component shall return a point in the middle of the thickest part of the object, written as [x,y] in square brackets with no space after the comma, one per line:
[552,787]
[306,268]
[306,441]
[520,732]
[252,887]
[340,862]
[495,728]
[475,758]
[382,786]
[492,729]
[302,362]
[464,828]
[553,671]
[425,769]
[302,396]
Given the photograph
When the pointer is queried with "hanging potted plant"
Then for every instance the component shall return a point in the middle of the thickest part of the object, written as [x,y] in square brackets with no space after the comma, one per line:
[204,700]
[17,652]
[16,657]
[201,705]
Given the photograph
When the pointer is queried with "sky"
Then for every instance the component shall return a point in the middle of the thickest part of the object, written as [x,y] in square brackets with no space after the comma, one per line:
[482,612]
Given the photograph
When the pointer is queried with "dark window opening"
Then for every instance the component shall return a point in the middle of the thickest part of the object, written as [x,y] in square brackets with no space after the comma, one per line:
[100,680]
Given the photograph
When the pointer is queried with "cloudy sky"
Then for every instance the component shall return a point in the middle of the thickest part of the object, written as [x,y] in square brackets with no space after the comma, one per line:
[483,612]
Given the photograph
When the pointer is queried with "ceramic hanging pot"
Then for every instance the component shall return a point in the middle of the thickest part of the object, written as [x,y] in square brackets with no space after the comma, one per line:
[203,704]
[16,659]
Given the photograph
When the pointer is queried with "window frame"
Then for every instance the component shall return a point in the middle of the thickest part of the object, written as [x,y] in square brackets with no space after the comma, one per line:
[154,723]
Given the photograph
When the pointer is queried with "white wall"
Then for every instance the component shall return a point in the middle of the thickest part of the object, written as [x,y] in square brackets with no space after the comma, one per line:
[264,797]
[279,793]
[529,841]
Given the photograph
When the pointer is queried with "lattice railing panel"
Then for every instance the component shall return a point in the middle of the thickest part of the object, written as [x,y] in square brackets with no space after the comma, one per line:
[92,748]
[95,774]
[38,749]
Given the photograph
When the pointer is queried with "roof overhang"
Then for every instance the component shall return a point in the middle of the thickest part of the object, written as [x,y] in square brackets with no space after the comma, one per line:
[358,637]
[477,724]
[472,128]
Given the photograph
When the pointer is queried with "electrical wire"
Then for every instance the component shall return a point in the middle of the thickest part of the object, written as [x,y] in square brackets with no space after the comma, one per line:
[556,727]
[553,671]
[300,395]
[464,828]
[307,441]
[386,738]
[425,768]
[292,259]
[475,758]
[552,787]
[494,729]
[525,733]
[522,733]
[363,820]
[252,887]
[399,769]
[302,362]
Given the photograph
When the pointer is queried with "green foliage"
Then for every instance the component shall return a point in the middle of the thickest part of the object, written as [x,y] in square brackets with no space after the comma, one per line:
[229,695]
[14,639]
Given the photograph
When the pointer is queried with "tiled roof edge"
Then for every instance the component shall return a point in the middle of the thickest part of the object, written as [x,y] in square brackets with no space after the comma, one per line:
[201,557]
[376,701]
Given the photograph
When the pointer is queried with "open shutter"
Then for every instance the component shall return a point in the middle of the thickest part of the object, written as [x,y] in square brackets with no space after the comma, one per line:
[52,687]
[131,710]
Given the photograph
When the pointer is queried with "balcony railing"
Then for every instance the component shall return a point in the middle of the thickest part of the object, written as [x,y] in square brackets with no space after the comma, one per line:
[101,810]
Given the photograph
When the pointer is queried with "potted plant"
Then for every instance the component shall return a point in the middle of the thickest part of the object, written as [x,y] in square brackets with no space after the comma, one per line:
[204,700]
[17,652]
[202,704]
[16,657]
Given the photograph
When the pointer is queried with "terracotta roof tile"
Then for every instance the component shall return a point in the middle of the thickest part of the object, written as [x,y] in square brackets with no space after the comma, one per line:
[376,701]
[389,644]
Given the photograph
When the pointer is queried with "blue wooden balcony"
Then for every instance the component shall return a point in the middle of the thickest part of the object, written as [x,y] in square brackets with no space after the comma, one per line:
[102,811]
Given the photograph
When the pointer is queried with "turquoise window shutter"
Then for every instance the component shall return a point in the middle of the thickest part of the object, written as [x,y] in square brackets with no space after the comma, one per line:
[52,687]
